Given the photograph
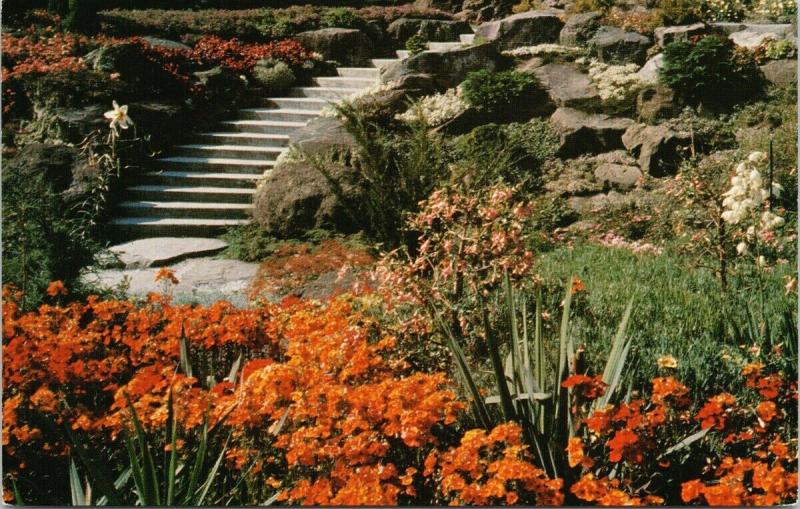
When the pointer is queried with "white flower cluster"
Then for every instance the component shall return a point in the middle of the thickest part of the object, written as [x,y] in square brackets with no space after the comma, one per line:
[615,83]
[436,109]
[746,198]
[543,50]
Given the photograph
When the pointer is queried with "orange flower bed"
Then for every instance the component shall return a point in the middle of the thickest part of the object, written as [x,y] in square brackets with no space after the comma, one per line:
[320,408]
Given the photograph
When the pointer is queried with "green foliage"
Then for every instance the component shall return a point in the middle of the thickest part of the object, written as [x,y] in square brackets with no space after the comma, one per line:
[342,17]
[38,245]
[416,44]
[528,381]
[397,170]
[497,91]
[249,243]
[680,310]
[276,78]
[679,12]
[511,153]
[711,72]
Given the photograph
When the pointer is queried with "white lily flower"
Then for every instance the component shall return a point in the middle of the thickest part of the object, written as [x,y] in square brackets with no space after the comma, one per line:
[757,157]
[118,116]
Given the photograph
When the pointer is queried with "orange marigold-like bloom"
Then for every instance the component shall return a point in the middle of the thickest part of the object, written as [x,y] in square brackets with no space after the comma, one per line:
[625,444]
[667,388]
[165,274]
[56,288]
[576,455]
[766,410]
[588,387]
[578,286]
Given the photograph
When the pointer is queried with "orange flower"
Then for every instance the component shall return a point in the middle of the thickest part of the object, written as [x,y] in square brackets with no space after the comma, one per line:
[56,288]
[577,286]
[625,444]
[589,388]
[576,455]
[165,274]
[766,410]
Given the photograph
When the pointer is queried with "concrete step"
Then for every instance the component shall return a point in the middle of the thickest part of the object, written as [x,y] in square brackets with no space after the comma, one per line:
[467,38]
[194,194]
[380,63]
[283,114]
[296,103]
[185,209]
[443,46]
[229,151]
[215,164]
[328,93]
[402,54]
[250,139]
[262,126]
[344,82]
[358,72]
[198,178]
[140,227]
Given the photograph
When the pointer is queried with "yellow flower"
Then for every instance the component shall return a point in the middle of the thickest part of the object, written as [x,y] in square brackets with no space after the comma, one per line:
[667,361]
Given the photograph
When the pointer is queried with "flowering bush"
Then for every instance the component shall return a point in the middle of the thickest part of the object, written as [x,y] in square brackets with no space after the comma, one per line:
[642,21]
[773,49]
[468,241]
[239,57]
[436,109]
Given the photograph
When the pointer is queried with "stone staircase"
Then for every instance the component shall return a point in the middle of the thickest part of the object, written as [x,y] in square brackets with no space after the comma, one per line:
[205,187]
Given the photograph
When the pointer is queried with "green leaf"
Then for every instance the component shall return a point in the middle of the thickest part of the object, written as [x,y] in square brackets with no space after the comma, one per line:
[75,488]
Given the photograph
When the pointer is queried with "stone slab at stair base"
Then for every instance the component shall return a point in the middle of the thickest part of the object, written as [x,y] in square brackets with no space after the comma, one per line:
[161,251]
[202,280]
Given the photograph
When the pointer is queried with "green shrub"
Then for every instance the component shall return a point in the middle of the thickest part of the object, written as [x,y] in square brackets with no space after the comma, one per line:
[723,10]
[38,241]
[276,77]
[512,153]
[416,44]
[711,72]
[496,91]
[679,12]
[342,17]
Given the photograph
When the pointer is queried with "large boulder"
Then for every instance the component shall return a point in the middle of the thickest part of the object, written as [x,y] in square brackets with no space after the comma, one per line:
[666,35]
[587,133]
[524,29]
[345,45]
[567,86]
[613,45]
[72,125]
[780,72]
[165,122]
[448,68]
[298,196]
[750,39]
[580,28]
[659,149]
[400,30]
[656,102]
[323,135]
